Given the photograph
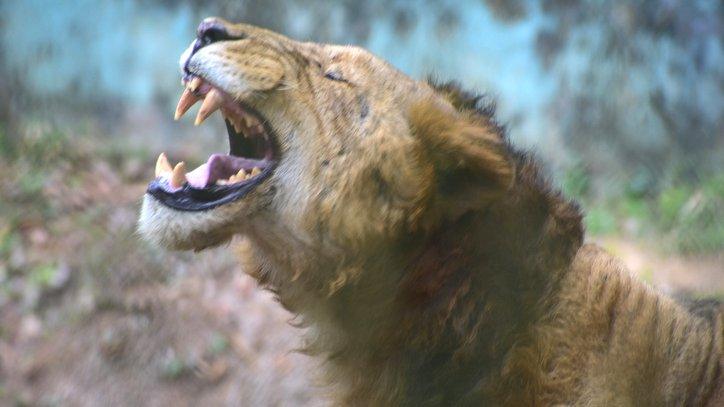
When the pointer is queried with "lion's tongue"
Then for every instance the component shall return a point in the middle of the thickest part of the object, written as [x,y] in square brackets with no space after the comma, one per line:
[199,177]
[220,166]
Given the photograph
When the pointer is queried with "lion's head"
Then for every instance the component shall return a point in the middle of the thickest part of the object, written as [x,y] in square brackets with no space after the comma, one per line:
[330,146]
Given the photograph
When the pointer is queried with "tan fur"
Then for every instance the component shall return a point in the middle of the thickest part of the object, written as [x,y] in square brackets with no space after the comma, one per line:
[612,340]
[432,262]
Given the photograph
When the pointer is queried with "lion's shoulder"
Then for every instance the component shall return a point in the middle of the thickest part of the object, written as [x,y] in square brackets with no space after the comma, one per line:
[621,335]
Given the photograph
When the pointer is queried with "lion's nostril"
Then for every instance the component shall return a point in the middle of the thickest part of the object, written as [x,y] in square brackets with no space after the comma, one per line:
[210,32]
[214,34]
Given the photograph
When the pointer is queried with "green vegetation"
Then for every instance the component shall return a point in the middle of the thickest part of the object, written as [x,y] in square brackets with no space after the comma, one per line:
[600,221]
[218,344]
[684,216]
[43,275]
[698,220]
[173,368]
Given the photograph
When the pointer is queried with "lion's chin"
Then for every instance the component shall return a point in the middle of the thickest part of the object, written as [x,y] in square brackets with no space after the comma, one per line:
[180,230]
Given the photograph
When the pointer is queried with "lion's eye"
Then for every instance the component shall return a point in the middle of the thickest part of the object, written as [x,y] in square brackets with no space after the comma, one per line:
[335,76]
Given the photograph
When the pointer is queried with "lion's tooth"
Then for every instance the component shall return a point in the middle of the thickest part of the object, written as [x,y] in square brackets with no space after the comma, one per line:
[193,86]
[187,100]
[162,165]
[251,120]
[228,117]
[178,177]
[255,171]
[245,120]
[222,182]
[247,131]
[238,177]
[212,102]
[237,126]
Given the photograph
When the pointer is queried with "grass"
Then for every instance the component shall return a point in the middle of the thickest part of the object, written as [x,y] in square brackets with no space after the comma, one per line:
[697,220]
[684,216]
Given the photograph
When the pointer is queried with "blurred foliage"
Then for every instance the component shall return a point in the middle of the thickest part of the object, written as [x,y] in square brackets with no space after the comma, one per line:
[576,181]
[174,367]
[43,274]
[697,221]
[687,216]
[6,148]
[600,221]
[218,344]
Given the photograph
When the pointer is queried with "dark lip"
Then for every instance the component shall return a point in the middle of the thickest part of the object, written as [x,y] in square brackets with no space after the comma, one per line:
[191,199]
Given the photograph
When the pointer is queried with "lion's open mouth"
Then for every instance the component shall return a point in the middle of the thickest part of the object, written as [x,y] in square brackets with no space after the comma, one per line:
[224,177]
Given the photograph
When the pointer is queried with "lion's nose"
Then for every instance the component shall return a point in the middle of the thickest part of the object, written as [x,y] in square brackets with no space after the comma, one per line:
[212,30]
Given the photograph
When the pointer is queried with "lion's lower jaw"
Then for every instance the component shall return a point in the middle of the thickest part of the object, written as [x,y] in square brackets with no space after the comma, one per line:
[179,230]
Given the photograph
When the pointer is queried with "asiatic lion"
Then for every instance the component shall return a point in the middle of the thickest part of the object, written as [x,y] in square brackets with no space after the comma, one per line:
[430,259]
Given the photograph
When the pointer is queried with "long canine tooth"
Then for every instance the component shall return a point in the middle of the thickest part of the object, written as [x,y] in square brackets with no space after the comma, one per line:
[193,86]
[231,118]
[212,102]
[241,174]
[227,117]
[162,165]
[187,100]
[255,171]
[237,126]
[178,178]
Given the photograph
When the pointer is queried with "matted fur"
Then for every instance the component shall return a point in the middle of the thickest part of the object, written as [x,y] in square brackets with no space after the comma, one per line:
[431,260]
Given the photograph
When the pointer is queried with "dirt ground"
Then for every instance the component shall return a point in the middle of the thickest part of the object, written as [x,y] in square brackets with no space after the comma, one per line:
[674,274]
[91,316]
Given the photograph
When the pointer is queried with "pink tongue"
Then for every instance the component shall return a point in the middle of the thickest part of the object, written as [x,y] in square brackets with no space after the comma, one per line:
[199,177]
[220,166]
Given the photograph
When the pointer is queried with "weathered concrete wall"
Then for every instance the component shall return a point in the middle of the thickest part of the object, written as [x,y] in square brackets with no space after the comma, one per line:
[613,80]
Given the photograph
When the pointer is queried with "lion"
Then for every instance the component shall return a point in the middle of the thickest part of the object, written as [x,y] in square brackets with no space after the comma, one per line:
[430,259]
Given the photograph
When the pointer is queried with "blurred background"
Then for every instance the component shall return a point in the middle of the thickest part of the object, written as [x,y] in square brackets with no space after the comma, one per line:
[623,101]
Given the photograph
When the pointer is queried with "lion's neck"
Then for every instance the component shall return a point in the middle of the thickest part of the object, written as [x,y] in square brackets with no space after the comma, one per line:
[449,301]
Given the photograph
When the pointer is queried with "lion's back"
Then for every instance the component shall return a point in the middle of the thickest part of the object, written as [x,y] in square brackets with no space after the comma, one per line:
[617,341]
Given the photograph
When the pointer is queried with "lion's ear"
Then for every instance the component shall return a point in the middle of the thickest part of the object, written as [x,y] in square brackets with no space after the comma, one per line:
[472,162]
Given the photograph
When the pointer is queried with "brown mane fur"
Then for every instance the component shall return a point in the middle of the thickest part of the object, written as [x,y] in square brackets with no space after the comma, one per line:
[474,316]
